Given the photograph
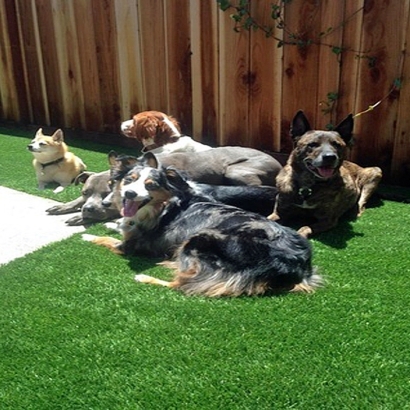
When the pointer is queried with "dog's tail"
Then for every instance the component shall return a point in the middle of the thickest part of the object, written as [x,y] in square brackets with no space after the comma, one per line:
[309,284]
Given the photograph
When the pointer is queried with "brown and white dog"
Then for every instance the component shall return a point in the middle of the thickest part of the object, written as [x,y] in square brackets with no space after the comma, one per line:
[317,183]
[159,133]
[52,160]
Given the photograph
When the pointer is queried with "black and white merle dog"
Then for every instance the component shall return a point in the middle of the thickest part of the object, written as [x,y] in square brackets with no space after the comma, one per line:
[217,249]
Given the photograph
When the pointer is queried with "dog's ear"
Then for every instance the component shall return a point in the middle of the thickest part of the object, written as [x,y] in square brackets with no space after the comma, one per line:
[176,179]
[112,157]
[150,159]
[58,136]
[80,179]
[39,132]
[345,129]
[300,125]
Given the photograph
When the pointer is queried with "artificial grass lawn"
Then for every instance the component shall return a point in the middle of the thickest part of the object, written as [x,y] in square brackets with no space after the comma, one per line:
[78,333]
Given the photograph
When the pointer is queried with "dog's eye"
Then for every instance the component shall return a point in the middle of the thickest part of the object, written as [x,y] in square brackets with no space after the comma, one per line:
[42,144]
[86,192]
[313,144]
[151,185]
[129,179]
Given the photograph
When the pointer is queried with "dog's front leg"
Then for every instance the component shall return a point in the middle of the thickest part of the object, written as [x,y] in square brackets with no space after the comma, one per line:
[69,207]
[113,244]
[321,225]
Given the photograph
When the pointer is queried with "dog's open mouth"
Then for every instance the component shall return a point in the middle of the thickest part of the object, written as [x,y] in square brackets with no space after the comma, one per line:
[130,207]
[321,172]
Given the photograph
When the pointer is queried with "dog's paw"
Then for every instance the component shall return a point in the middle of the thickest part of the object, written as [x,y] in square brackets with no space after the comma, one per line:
[305,231]
[59,189]
[54,210]
[75,221]
[274,217]
[143,278]
[89,238]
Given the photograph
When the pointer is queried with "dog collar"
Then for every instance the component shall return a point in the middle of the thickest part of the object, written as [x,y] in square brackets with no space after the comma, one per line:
[52,162]
[305,192]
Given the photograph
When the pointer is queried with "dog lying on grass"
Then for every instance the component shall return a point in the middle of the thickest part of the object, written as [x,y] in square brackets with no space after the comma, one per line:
[52,160]
[218,250]
[159,133]
[91,202]
[317,182]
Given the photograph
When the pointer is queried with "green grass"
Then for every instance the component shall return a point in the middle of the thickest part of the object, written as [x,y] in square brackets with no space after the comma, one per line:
[78,333]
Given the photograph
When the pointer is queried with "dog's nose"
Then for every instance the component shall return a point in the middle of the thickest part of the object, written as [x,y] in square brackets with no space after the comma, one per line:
[30,147]
[329,159]
[89,208]
[130,194]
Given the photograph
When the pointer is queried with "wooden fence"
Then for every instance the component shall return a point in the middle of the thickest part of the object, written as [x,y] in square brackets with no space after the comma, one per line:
[89,64]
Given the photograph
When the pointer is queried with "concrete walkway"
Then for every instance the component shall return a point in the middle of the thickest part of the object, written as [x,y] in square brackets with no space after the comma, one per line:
[25,226]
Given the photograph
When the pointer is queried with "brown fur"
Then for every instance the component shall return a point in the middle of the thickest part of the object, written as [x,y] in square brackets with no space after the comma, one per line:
[317,182]
[149,125]
[52,160]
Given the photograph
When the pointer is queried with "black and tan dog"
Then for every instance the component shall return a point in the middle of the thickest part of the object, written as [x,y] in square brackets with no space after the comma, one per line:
[218,250]
[317,182]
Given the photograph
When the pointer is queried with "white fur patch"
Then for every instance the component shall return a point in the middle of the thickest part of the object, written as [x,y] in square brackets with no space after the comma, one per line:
[87,237]
[125,125]
[176,133]
[138,186]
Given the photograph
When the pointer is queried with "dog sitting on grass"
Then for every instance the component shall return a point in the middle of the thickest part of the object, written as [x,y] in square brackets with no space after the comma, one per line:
[317,182]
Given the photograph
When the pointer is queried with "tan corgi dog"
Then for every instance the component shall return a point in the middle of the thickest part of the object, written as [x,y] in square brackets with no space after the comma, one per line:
[52,160]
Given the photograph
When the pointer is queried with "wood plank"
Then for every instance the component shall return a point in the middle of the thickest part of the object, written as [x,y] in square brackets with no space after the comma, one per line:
[132,88]
[35,82]
[400,169]
[265,108]
[331,25]
[17,58]
[67,48]
[204,73]
[234,67]
[349,76]
[47,49]
[103,14]
[375,130]
[178,54]
[154,62]
[8,88]
[301,76]
[87,55]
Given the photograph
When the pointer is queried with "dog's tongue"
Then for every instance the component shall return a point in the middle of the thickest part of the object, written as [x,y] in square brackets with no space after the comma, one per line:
[325,172]
[130,208]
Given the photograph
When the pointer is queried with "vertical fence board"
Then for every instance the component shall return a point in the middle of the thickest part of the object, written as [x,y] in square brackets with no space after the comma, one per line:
[265,79]
[107,58]
[353,16]
[178,51]
[330,35]
[9,107]
[34,77]
[67,48]
[132,90]
[300,67]
[384,41]
[154,63]
[234,88]
[205,80]
[401,150]
[87,54]
[49,57]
